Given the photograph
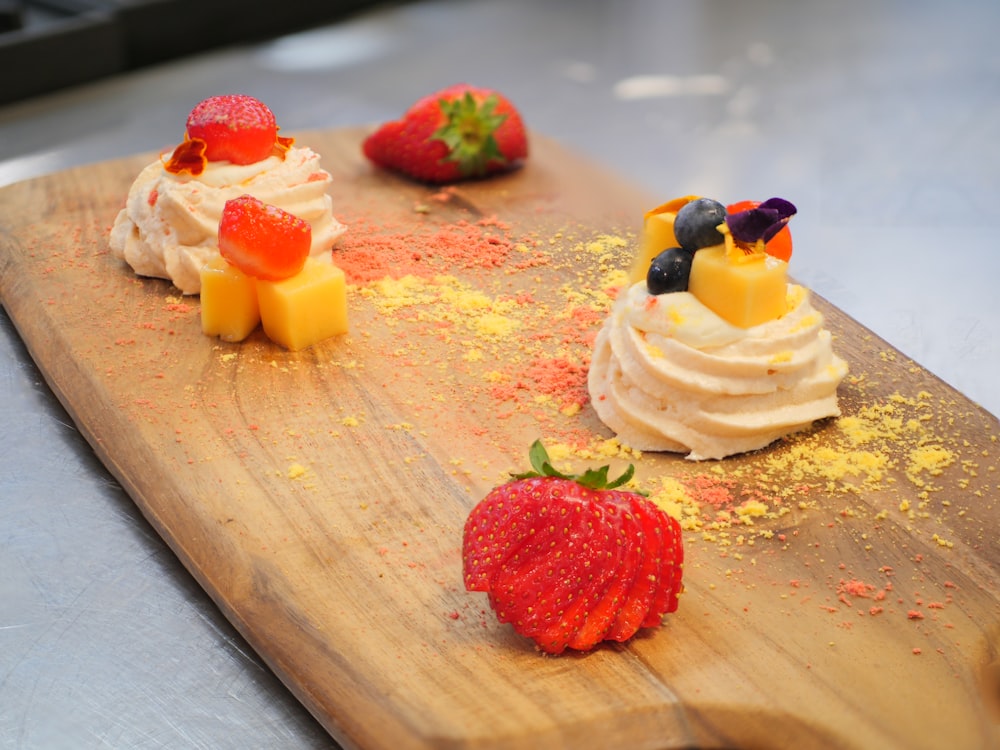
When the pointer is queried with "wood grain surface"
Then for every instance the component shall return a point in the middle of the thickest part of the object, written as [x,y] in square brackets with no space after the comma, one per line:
[842,586]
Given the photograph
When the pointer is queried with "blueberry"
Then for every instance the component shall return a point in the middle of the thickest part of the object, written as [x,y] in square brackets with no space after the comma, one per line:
[696,222]
[669,271]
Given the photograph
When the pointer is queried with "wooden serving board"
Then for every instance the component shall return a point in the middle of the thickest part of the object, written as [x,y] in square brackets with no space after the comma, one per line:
[842,586]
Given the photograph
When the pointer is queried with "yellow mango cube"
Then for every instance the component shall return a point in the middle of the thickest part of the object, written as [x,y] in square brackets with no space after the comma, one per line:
[745,293]
[657,235]
[229,306]
[302,310]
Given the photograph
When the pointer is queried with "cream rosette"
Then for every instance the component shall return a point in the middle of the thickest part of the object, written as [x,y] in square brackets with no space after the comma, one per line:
[668,374]
[169,226]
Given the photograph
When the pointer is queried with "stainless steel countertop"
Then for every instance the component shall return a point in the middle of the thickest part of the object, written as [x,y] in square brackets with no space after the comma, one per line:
[880,120]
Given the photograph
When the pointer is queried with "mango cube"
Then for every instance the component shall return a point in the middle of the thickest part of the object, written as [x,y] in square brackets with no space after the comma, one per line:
[657,235]
[746,292]
[229,306]
[302,310]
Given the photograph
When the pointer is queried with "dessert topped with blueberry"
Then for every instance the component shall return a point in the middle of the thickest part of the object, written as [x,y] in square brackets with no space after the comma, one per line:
[712,351]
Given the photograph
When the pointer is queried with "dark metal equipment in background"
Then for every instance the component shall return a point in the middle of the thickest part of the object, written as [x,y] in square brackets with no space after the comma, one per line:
[46,45]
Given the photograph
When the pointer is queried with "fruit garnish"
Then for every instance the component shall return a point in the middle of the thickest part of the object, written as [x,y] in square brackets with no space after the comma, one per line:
[571,560]
[457,133]
[750,230]
[233,127]
[672,206]
[657,234]
[697,222]
[780,245]
[669,271]
[262,240]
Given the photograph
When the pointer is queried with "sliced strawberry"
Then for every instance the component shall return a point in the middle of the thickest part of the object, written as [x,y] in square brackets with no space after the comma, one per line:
[262,240]
[534,595]
[669,579]
[495,530]
[595,558]
[537,576]
[628,553]
[552,570]
[570,561]
[644,585]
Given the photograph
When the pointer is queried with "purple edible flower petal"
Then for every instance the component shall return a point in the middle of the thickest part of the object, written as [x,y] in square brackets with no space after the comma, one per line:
[762,222]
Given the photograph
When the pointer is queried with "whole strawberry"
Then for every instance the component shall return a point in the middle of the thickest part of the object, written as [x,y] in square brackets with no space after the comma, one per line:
[232,127]
[458,133]
[570,560]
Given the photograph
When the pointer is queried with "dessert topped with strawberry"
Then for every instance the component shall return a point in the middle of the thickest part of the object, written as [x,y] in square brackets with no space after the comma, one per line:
[458,133]
[169,225]
[572,560]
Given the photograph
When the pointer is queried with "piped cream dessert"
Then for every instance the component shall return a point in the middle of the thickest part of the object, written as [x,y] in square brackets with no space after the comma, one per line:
[169,225]
[713,352]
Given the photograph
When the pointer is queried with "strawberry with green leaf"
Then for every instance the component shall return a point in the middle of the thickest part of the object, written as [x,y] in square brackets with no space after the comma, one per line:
[457,133]
[572,560]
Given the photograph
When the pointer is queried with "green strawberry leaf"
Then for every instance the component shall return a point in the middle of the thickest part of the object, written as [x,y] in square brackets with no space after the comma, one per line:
[595,479]
[468,132]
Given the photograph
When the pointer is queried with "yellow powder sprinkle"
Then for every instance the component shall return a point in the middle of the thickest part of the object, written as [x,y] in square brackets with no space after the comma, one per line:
[930,458]
[752,509]
[808,321]
[942,542]
[491,324]
[673,499]
[607,241]
[796,295]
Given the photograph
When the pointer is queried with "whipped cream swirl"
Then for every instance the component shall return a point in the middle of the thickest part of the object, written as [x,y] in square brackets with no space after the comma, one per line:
[668,374]
[170,223]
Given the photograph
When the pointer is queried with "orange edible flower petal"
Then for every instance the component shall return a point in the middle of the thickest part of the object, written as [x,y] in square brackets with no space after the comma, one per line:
[283,144]
[188,157]
[671,206]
